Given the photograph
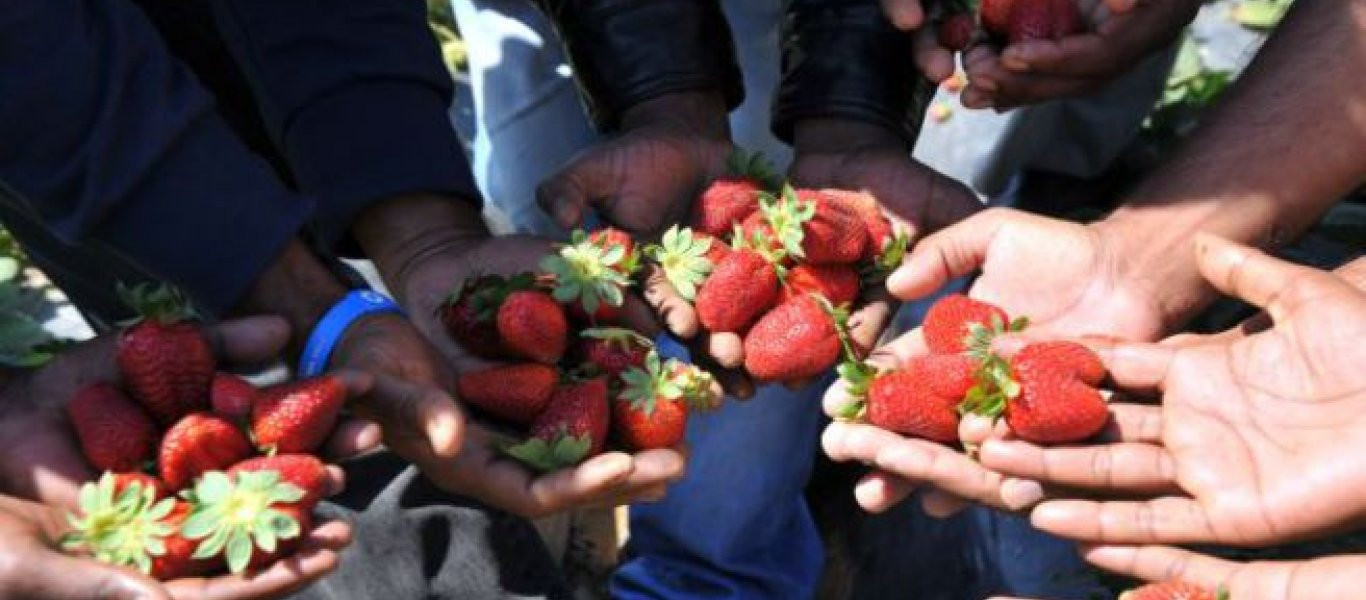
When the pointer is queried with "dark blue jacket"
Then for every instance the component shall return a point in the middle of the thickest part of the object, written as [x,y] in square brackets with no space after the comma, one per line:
[107,137]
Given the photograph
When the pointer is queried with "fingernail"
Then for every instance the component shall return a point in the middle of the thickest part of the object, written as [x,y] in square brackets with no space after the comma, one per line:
[1019,494]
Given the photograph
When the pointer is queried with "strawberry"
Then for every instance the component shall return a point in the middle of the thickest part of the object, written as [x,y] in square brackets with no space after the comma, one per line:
[129,526]
[516,393]
[115,433]
[995,16]
[955,33]
[687,257]
[652,410]
[591,273]
[957,323]
[1042,20]
[814,229]
[572,428]
[123,481]
[297,416]
[798,339]
[198,443]
[1173,589]
[880,233]
[735,196]
[920,399]
[166,361]
[231,397]
[1058,401]
[244,514]
[612,350]
[838,284]
[498,317]
[303,470]
[470,312]
[531,325]
[739,290]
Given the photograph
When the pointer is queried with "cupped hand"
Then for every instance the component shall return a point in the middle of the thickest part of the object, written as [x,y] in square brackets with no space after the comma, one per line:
[1327,578]
[1252,429]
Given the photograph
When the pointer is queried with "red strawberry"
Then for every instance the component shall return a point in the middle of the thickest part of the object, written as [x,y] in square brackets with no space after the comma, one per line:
[995,16]
[1172,590]
[166,361]
[921,399]
[956,322]
[837,283]
[250,517]
[130,526]
[592,272]
[115,434]
[1057,401]
[531,325]
[232,397]
[303,470]
[726,202]
[815,229]
[498,317]
[652,410]
[612,350]
[197,443]
[796,340]
[514,393]
[717,249]
[470,313]
[297,416]
[955,33]
[123,481]
[572,428]
[865,205]
[261,558]
[686,258]
[1042,20]
[740,288]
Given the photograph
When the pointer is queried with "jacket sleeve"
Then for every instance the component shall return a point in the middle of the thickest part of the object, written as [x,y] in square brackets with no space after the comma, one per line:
[628,51]
[104,136]
[844,59]
[355,96]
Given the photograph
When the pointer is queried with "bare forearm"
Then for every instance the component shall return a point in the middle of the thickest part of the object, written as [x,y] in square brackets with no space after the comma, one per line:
[1286,144]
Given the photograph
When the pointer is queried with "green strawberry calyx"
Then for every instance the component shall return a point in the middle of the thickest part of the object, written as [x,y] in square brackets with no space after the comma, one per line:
[979,336]
[683,257]
[485,293]
[755,167]
[995,387]
[125,527]
[670,380]
[858,376]
[236,514]
[589,274]
[545,455]
[162,303]
[888,259]
[786,213]
[618,336]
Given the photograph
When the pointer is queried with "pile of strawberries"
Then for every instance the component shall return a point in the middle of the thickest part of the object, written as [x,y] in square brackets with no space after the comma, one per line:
[570,381]
[1047,392]
[1006,21]
[1173,589]
[778,266]
[203,472]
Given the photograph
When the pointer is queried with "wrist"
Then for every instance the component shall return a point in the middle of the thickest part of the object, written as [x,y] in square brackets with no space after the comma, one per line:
[1157,272]
[701,113]
[835,135]
[398,233]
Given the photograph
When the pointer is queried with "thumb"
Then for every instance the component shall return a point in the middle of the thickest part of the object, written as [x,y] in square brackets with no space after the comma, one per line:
[904,14]
[58,577]
[418,421]
[1269,283]
[567,195]
[249,340]
[952,252]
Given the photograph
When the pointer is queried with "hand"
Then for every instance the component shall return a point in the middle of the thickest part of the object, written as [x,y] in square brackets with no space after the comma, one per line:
[1252,431]
[34,570]
[1070,281]
[646,178]
[1327,578]
[1125,32]
[431,262]
[43,460]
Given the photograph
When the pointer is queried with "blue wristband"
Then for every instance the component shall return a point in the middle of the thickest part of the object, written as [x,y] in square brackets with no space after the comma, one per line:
[333,325]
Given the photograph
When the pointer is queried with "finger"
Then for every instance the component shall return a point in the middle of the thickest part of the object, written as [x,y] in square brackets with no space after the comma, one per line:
[49,575]
[941,505]
[1135,367]
[317,556]
[974,429]
[952,252]
[935,62]
[249,340]
[976,98]
[836,399]
[419,421]
[599,476]
[904,14]
[675,310]
[567,195]
[352,437]
[726,348]
[1275,285]
[1116,468]
[877,491]
[867,323]
[1160,563]
[1166,520]
[899,351]
[1135,423]
[1085,55]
